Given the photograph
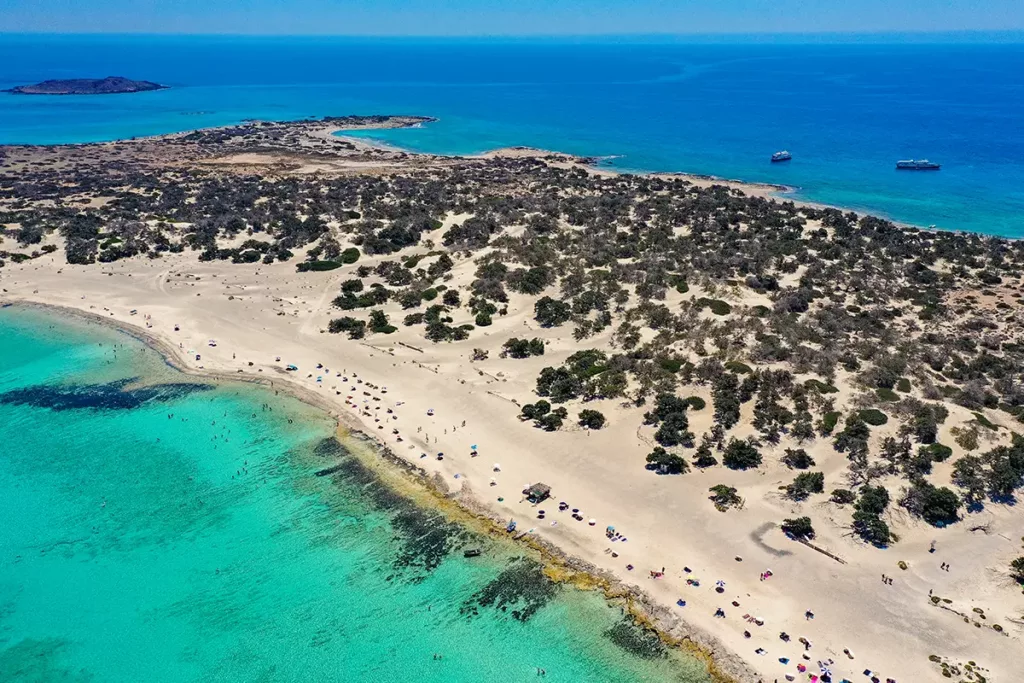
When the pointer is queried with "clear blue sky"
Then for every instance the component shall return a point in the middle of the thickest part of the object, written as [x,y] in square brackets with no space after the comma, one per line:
[506,17]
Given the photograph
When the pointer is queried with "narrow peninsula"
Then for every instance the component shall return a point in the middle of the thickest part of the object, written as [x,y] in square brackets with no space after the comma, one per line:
[111,85]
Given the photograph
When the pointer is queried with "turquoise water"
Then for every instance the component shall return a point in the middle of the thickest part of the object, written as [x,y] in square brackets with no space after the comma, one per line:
[847,112]
[137,546]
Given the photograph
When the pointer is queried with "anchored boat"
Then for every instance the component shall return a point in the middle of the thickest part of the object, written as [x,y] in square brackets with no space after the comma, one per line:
[917,165]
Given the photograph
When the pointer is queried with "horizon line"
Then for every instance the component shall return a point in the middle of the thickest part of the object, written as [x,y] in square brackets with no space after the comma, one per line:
[1017,33]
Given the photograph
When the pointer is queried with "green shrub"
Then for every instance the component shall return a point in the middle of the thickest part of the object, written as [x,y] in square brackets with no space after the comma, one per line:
[805,484]
[887,395]
[741,455]
[737,367]
[724,497]
[379,323]
[829,421]
[903,384]
[820,387]
[867,521]
[551,312]
[679,282]
[1017,570]
[591,419]
[875,418]
[483,319]
[533,411]
[936,452]
[704,457]
[355,328]
[797,459]
[350,255]
[354,286]
[937,506]
[317,266]
[716,306]
[799,527]
[522,348]
[550,422]
[696,403]
[985,422]
[666,463]
[670,364]
[843,496]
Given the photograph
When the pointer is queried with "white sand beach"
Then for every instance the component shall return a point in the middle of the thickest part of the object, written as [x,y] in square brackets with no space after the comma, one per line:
[422,399]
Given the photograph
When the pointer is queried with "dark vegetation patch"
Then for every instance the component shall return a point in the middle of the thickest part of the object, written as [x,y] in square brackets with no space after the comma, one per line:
[873,417]
[636,640]
[109,396]
[521,589]
[330,447]
[424,537]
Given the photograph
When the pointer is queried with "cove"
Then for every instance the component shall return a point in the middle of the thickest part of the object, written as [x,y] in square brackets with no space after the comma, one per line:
[164,527]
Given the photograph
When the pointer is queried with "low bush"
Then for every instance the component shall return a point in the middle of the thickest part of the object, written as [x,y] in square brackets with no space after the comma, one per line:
[317,266]
[805,484]
[843,496]
[738,367]
[820,387]
[985,422]
[1017,570]
[887,395]
[875,418]
[696,403]
[355,328]
[936,452]
[591,419]
[741,455]
[716,306]
[799,528]
[724,497]
[797,458]
[664,462]
[829,421]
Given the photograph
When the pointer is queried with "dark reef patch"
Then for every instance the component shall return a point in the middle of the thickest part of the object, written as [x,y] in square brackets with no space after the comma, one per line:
[636,640]
[110,396]
[522,586]
[330,447]
[35,659]
[425,537]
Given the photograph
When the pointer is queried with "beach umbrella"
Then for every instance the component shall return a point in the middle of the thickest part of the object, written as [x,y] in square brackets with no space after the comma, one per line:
[473,447]
[497,467]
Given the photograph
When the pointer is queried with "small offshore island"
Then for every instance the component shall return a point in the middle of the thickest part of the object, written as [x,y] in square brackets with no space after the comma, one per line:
[825,400]
[111,85]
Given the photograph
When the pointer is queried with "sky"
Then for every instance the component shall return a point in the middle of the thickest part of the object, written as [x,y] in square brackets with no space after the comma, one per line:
[507,17]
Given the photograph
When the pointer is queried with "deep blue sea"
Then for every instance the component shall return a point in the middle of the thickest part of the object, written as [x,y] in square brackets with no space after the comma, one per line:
[847,112]
[162,528]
